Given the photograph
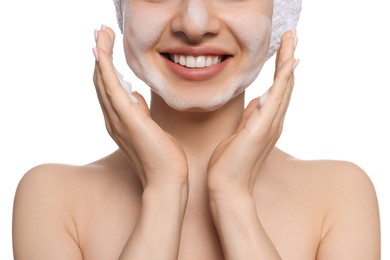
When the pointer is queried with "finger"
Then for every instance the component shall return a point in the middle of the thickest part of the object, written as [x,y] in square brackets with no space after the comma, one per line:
[278,121]
[110,80]
[97,80]
[278,90]
[247,112]
[108,112]
[287,48]
[286,101]
[280,117]
[111,34]
[100,91]
[285,52]
[284,82]
[248,138]
[288,41]
[118,102]
[141,102]
[127,109]
[110,76]
[105,39]
[114,124]
[260,126]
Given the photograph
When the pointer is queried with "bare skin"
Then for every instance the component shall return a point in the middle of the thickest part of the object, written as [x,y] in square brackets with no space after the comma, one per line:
[309,210]
[196,185]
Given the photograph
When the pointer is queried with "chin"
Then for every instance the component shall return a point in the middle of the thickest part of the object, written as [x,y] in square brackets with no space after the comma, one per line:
[201,106]
[197,102]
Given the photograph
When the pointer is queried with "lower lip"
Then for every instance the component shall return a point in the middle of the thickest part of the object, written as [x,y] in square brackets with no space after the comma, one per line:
[197,74]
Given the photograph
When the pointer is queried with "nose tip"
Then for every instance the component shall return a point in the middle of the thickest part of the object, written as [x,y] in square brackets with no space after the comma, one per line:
[195,20]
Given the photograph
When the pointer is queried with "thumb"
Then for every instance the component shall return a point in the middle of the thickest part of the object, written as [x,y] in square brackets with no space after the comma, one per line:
[247,112]
[141,101]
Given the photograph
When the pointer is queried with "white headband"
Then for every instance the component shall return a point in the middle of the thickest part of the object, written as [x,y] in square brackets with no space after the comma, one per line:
[285,17]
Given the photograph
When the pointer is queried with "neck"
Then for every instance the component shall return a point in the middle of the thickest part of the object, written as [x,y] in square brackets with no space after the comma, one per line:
[198,132]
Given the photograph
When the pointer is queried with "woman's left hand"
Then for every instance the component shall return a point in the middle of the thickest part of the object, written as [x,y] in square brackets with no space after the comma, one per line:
[236,162]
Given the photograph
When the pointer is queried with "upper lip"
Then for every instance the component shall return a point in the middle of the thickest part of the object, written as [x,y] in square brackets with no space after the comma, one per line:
[196,51]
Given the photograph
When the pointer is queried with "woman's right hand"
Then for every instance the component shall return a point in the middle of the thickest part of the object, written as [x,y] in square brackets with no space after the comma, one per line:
[156,156]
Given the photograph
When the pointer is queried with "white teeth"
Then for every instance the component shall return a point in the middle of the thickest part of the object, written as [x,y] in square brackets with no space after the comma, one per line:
[190,62]
[200,62]
[216,60]
[195,62]
[182,60]
[176,58]
[209,61]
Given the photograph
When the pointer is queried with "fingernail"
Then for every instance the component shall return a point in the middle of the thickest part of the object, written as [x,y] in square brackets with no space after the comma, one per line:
[96,34]
[95,53]
[295,64]
[103,27]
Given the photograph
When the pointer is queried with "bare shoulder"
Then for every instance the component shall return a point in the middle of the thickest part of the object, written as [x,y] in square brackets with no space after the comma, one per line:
[49,206]
[351,226]
[42,223]
[69,183]
[342,184]
[334,176]
[324,180]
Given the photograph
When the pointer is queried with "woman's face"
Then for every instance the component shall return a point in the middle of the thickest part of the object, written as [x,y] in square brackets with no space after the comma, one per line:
[197,54]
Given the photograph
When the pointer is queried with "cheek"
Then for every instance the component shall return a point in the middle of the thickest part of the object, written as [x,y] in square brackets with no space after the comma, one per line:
[142,29]
[140,32]
[253,32]
[257,39]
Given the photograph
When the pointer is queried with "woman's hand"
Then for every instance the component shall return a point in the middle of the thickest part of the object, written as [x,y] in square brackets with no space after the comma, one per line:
[156,156]
[236,162]
[159,161]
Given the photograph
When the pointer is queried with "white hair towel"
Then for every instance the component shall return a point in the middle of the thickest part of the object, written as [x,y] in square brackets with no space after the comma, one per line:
[285,17]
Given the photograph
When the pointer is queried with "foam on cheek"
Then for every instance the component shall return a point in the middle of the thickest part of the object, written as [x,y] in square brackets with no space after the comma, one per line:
[143,28]
[141,31]
[253,32]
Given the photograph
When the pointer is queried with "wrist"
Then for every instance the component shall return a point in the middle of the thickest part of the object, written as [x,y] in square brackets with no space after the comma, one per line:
[229,195]
[221,187]
[171,197]
[160,179]
[232,204]
[159,226]
[238,215]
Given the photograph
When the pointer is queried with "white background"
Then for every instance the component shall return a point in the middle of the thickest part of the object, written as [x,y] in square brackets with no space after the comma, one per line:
[49,111]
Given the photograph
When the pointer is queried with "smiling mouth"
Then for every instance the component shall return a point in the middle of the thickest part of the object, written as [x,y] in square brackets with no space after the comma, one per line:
[201,61]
